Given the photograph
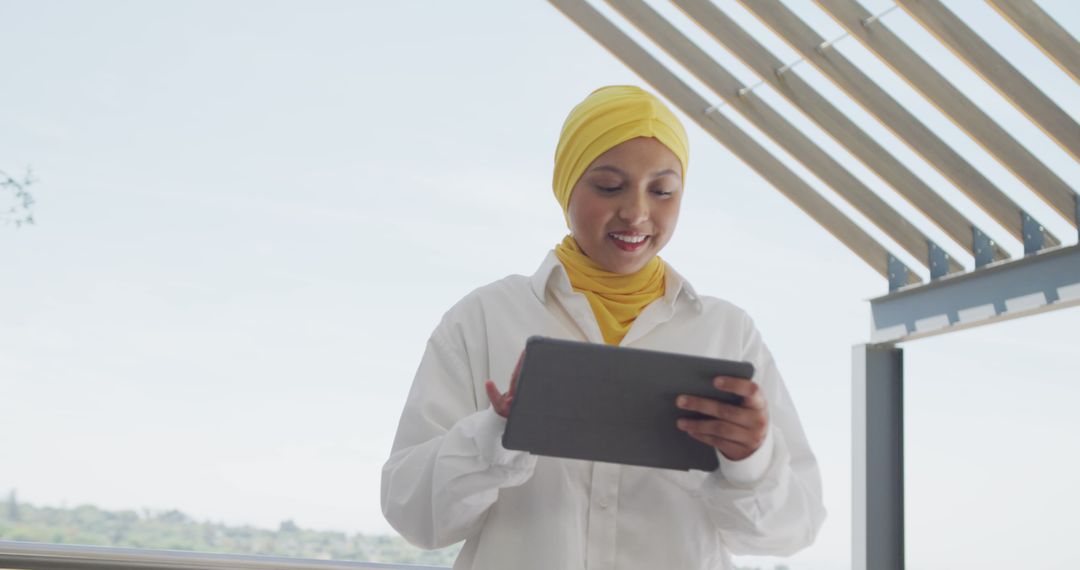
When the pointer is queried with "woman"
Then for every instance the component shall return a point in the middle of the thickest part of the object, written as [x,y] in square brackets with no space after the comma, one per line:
[619,170]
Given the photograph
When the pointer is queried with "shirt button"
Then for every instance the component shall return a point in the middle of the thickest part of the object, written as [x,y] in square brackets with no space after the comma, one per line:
[604,503]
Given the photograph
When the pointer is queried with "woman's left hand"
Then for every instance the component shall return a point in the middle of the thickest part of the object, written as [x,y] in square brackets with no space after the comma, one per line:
[735,431]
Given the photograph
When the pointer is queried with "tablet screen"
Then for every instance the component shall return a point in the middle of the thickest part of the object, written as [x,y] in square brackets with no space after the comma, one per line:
[606,403]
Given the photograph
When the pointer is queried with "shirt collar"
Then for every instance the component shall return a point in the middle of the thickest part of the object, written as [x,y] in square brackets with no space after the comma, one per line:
[550,270]
[551,274]
[677,286]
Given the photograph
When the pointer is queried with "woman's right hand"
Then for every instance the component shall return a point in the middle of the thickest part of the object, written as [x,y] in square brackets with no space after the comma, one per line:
[501,402]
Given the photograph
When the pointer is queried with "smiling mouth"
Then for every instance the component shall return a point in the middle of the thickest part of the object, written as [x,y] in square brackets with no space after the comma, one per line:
[629,242]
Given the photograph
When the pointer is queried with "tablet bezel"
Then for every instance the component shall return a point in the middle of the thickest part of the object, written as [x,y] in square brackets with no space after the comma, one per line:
[554,414]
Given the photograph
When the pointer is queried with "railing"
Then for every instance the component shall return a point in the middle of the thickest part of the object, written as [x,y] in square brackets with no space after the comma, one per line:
[35,556]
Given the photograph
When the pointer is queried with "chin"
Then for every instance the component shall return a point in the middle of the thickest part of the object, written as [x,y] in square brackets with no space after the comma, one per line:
[617,261]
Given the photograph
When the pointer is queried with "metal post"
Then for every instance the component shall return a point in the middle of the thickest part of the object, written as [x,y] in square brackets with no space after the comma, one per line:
[878,459]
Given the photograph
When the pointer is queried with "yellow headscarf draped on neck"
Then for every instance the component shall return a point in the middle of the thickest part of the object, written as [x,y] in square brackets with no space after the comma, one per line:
[607,117]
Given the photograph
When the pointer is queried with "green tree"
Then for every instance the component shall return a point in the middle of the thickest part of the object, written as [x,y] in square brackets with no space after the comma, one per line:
[288,526]
[175,530]
[19,213]
[13,514]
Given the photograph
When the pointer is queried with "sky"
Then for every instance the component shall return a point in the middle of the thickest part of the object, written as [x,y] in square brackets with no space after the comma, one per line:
[251,215]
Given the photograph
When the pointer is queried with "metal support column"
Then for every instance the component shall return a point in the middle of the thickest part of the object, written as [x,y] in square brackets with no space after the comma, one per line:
[878,460]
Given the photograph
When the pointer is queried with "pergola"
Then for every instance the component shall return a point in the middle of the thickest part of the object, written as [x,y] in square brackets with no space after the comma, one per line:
[995,287]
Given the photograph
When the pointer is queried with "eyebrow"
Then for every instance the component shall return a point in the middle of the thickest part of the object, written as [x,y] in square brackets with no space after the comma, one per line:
[619,171]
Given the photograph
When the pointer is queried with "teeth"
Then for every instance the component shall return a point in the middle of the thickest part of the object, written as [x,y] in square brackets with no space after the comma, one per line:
[629,239]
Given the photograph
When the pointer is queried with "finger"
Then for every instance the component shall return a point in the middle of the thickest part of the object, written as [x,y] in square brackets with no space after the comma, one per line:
[751,438]
[494,396]
[722,410]
[492,391]
[733,451]
[748,389]
[728,447]
[730,450]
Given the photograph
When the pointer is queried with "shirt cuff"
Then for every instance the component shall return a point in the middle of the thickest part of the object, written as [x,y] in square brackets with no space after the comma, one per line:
[490,430]
[750,469]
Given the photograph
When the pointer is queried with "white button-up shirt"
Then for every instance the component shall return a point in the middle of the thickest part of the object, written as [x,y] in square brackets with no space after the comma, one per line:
[450,479]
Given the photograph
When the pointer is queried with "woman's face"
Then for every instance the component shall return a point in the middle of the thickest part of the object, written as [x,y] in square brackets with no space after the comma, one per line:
[624,207]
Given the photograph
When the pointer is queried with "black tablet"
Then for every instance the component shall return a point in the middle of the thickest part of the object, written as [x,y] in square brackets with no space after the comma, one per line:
[607,403]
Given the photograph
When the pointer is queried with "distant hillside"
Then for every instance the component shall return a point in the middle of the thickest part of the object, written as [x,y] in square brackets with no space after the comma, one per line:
[173,530]
[87,524]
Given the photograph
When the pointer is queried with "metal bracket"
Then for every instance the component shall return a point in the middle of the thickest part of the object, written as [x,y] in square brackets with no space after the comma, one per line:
[984,248]
[829,44]
[746,89]
[780,71]
[1033,234]
[939,261]
[867,21]
[715,107]
[1033,284]
[898,273]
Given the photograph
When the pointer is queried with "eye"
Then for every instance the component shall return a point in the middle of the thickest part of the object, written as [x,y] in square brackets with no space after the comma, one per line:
[608,189]
[660,192]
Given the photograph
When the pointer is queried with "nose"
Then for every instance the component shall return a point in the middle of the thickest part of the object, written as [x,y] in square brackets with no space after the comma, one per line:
[634,208]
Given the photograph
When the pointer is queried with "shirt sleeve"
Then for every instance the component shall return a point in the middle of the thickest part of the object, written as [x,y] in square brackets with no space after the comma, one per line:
[750,469]
[447,463]
[769,503]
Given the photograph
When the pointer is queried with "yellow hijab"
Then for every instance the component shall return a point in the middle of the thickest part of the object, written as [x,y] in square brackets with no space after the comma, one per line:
[607,117]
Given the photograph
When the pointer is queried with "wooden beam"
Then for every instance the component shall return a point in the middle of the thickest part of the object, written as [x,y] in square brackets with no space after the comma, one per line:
[893,116]
[834,122]
[997,71]
[729,134]
[776,127]
[952,102]
[1043,31]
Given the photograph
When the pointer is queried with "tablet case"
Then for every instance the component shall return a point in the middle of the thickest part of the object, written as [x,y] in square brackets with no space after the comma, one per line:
[615,404]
